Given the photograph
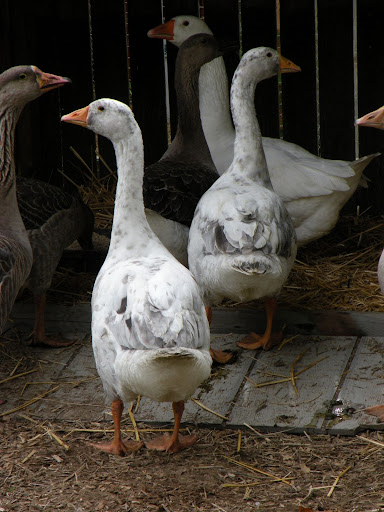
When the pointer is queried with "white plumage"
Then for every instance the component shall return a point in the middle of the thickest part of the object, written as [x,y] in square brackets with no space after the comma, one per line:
[242,242]
[313,189]
[150,334]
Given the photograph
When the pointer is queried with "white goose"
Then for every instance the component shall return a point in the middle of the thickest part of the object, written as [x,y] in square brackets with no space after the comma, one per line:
[375,119]
[242,242]
[313,189]
[150,334]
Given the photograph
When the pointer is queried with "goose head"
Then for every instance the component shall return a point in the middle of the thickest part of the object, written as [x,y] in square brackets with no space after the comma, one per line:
[374,119]
[179,29]
[264,63]
[109,118]
[196,51]
[21,84]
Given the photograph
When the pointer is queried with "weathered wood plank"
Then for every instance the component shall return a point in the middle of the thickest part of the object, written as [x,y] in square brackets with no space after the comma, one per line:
[217,393]
[241,320]
[58,318]
[80,396]
[268,408]
[363,387]
[309,322]
[278,406]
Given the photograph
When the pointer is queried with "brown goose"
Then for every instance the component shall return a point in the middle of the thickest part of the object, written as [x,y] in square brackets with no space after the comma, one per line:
[18,86]
[54,219]
[174,184]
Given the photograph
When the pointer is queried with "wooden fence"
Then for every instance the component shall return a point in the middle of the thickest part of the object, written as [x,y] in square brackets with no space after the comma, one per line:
[103,47]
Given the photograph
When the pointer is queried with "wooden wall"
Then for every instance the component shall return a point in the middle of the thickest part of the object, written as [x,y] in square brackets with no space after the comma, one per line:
[54,35]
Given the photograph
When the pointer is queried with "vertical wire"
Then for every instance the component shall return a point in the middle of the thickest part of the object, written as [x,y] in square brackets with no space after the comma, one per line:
[279,79]
[128,50]
[166,83]
[355,79]
[61,139]
[201,9]
[318,133]
[61,136]
[97,152]
[240,21]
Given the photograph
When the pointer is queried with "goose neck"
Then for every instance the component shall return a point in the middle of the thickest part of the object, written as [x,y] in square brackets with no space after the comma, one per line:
[248,148]
[214,94]
[129,214]
[8,120]
[189,128]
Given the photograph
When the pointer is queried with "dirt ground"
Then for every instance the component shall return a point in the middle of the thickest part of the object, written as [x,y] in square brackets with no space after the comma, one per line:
[222,472]
[49,466]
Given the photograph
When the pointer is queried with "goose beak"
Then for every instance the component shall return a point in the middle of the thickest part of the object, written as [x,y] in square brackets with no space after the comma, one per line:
[47,82]
[374,119]
[164,31]
[287,66]
[77,117]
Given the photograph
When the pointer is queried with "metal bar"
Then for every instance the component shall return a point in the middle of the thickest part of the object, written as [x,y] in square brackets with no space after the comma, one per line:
[201,9]
[128,50]
[318,131]
[92,61]
[166,83]
[240,21]
[279,80]
[355,79]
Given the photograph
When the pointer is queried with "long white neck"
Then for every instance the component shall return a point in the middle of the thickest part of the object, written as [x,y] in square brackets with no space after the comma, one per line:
[214,96]
[215,113]
[129,220]
[248,149]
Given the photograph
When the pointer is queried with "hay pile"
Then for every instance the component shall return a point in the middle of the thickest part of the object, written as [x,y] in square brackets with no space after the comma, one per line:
[339,271]
[336,272]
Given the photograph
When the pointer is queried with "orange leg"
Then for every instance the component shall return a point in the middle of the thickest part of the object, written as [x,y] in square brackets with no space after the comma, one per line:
[176,441]
[118,446]
[219,356]
[267,340]
[38,337]
[208,311]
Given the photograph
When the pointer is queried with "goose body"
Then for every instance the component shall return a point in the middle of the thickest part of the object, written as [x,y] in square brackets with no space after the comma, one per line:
[18,86]
[313,189]
[150,334]
[174,184]
[242,242]
[54,219]
[172,234]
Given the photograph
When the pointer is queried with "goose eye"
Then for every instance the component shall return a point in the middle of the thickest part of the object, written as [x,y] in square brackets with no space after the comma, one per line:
[186,23]
[101,109]
[269,54]
[22,76]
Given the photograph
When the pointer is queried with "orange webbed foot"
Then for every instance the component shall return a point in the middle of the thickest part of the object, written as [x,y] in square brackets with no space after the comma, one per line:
[253,341]
[166,443]
[376,410]
[220,356]
[120,448]
[51,342]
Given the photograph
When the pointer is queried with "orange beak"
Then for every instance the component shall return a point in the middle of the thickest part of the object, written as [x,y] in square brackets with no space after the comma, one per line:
[287,66]
[47,82]
[374,119]
[77,117]
[164,31]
